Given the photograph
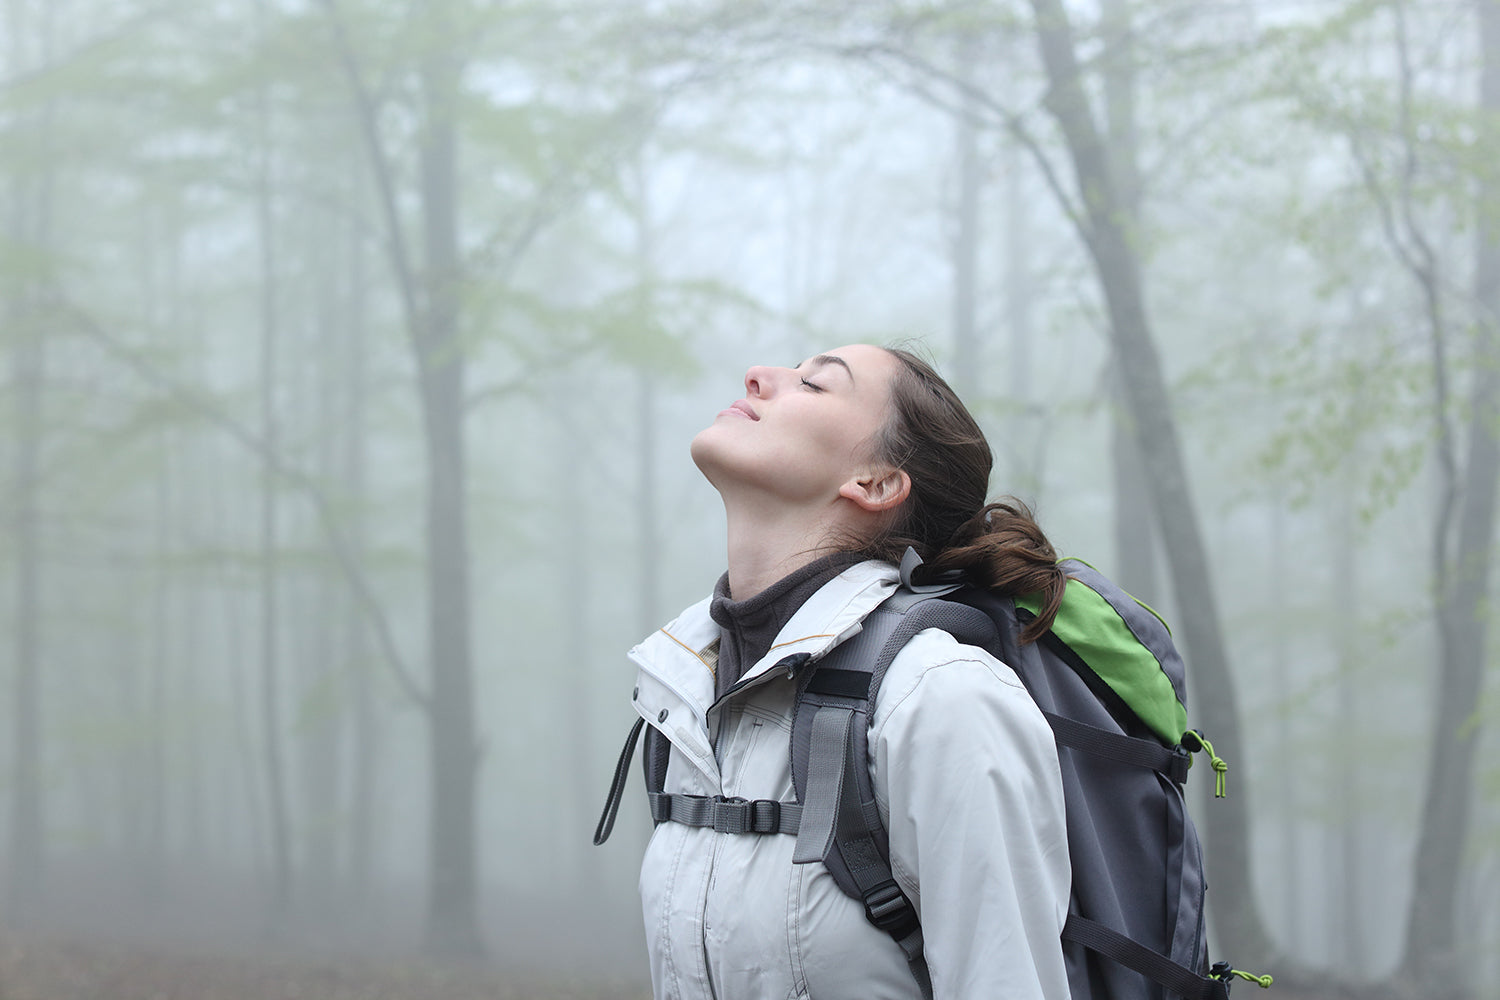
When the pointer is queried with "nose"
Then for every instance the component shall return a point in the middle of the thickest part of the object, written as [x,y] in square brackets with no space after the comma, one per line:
[756,380]
[761,380]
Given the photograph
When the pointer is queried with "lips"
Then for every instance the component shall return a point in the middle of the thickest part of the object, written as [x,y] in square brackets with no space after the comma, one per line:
[743,407]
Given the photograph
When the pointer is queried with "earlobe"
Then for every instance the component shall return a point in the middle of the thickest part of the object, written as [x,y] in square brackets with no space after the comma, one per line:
[878,493]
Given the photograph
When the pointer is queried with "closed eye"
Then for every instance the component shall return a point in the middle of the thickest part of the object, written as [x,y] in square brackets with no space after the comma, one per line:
[814,388]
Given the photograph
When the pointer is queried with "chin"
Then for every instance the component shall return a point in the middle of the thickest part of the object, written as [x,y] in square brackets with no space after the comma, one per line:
[703,451]
[716,458]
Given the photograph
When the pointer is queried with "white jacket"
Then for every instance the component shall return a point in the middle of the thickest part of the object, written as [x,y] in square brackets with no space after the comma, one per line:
[966,776]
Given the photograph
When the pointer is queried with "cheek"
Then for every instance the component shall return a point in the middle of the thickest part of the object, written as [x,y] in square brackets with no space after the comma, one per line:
[852,437]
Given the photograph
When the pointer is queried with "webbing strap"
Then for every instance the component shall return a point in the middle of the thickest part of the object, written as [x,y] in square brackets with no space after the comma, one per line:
[911,946]
[726,815]
[1172,762]
[886,906]
[825,782]
[1178,979]
[617,785]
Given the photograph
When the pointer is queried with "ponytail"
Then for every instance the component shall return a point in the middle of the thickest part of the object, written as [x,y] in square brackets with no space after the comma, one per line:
[1002,549]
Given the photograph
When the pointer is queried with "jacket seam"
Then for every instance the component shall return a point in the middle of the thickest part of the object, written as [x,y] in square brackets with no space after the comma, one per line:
[664,923]
[805,638]
[795,888]
[696,655]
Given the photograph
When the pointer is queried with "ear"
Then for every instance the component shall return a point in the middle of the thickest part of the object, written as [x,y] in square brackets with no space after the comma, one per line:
[879,491]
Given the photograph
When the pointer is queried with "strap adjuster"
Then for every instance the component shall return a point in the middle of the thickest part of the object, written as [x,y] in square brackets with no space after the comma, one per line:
[765,816]
[731,815]
[1177,770]
[660,805]
[887,907]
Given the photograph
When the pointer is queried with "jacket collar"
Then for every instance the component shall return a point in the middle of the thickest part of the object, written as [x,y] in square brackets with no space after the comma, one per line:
[677,654]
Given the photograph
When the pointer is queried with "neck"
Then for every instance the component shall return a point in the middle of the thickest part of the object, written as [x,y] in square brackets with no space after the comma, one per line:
[764,547]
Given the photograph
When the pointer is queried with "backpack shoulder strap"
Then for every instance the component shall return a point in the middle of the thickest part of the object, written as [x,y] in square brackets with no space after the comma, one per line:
[841,824]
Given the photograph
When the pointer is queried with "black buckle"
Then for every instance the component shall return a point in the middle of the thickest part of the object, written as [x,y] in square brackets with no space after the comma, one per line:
[887,907]
[1182,760]
[765,816]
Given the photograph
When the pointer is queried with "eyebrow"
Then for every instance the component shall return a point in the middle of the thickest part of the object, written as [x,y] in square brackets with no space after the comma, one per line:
[832,359]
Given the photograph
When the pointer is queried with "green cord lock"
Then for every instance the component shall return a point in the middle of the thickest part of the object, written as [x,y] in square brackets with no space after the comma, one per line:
[1220,766]
[1221,971]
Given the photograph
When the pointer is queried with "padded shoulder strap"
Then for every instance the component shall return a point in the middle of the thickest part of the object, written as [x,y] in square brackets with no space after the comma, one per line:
[841,824]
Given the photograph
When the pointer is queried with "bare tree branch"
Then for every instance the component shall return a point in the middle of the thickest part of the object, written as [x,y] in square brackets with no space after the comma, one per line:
[343,551]
[366,109]
[1012,122]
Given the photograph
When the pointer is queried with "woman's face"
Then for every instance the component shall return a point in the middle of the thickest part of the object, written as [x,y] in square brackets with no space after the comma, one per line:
[801,433]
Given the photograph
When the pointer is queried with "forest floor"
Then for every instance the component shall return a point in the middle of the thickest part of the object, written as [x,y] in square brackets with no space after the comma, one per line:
[62,969]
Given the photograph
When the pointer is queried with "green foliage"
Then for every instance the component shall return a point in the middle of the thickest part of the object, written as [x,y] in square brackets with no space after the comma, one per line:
[1361,413]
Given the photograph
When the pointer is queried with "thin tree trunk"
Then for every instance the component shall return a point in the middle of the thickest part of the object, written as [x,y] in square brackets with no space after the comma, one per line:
[1135,536]
[648,500]
[1025,471]
[270,636]
[1343,841]
[30,210]
[1236,916]
[365,745]
[453,922]
[575,605]
[965,246]
[28,368]
[326,674]
[156,779]
[648,506]
[1464,563]
[1291,863]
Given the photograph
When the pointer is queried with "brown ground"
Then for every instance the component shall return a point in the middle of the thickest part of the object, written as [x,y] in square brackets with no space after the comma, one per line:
[59,969]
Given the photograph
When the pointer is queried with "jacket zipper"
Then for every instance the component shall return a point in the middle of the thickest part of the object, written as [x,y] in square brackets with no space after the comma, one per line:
[790,664]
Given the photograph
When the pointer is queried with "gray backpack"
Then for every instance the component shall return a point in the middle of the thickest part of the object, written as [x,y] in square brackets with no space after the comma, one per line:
[1110,683]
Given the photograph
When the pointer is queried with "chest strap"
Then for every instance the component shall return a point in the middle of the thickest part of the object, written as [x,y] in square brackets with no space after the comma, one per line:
[726,815]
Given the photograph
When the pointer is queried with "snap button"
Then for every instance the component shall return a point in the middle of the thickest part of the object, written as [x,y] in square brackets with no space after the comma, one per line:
[663,716]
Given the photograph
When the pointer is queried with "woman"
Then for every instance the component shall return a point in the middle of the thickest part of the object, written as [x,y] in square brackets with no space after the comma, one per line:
[828,472]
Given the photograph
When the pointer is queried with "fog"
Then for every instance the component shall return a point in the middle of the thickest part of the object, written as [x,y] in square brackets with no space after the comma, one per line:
[351,350]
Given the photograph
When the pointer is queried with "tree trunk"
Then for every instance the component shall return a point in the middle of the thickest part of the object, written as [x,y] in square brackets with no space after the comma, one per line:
[966,230]
[1463,596]
[1024,458]
[1343,842]
[29,211]
[364,745]
[325,674]
[270,637]
[1236,917]
[430,308]
[453,924]
[27,856]
[1135,536]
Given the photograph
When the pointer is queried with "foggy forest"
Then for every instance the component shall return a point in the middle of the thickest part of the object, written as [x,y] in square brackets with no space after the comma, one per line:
[350,351]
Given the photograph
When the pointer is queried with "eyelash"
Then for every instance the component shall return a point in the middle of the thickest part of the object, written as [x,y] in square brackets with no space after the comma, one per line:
[814,388]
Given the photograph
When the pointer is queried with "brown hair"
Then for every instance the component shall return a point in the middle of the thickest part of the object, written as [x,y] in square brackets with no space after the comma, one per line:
[932,436]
